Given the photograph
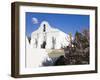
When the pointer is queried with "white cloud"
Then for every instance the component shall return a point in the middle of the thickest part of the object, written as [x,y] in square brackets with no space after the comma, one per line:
[34,20]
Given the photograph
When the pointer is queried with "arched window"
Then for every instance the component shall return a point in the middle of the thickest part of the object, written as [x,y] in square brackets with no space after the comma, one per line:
[43,44]
[44,28]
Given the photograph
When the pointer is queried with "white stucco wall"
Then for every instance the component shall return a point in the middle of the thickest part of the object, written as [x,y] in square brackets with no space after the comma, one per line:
[35,57]
[61,38]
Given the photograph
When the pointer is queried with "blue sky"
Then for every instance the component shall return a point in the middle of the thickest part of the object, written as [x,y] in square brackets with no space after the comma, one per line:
[65,22]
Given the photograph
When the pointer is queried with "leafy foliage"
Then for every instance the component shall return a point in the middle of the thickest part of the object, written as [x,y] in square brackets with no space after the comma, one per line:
[79,52]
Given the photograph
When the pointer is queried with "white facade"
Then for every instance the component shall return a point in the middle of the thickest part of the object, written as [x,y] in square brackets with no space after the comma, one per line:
[54,38]
[35,57]
[48,37]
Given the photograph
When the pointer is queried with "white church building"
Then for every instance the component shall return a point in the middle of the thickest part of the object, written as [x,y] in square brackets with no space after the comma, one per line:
[48,37]
[43,39]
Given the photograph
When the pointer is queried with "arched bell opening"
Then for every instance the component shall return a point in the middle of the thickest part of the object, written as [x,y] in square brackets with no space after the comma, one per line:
[44,28]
